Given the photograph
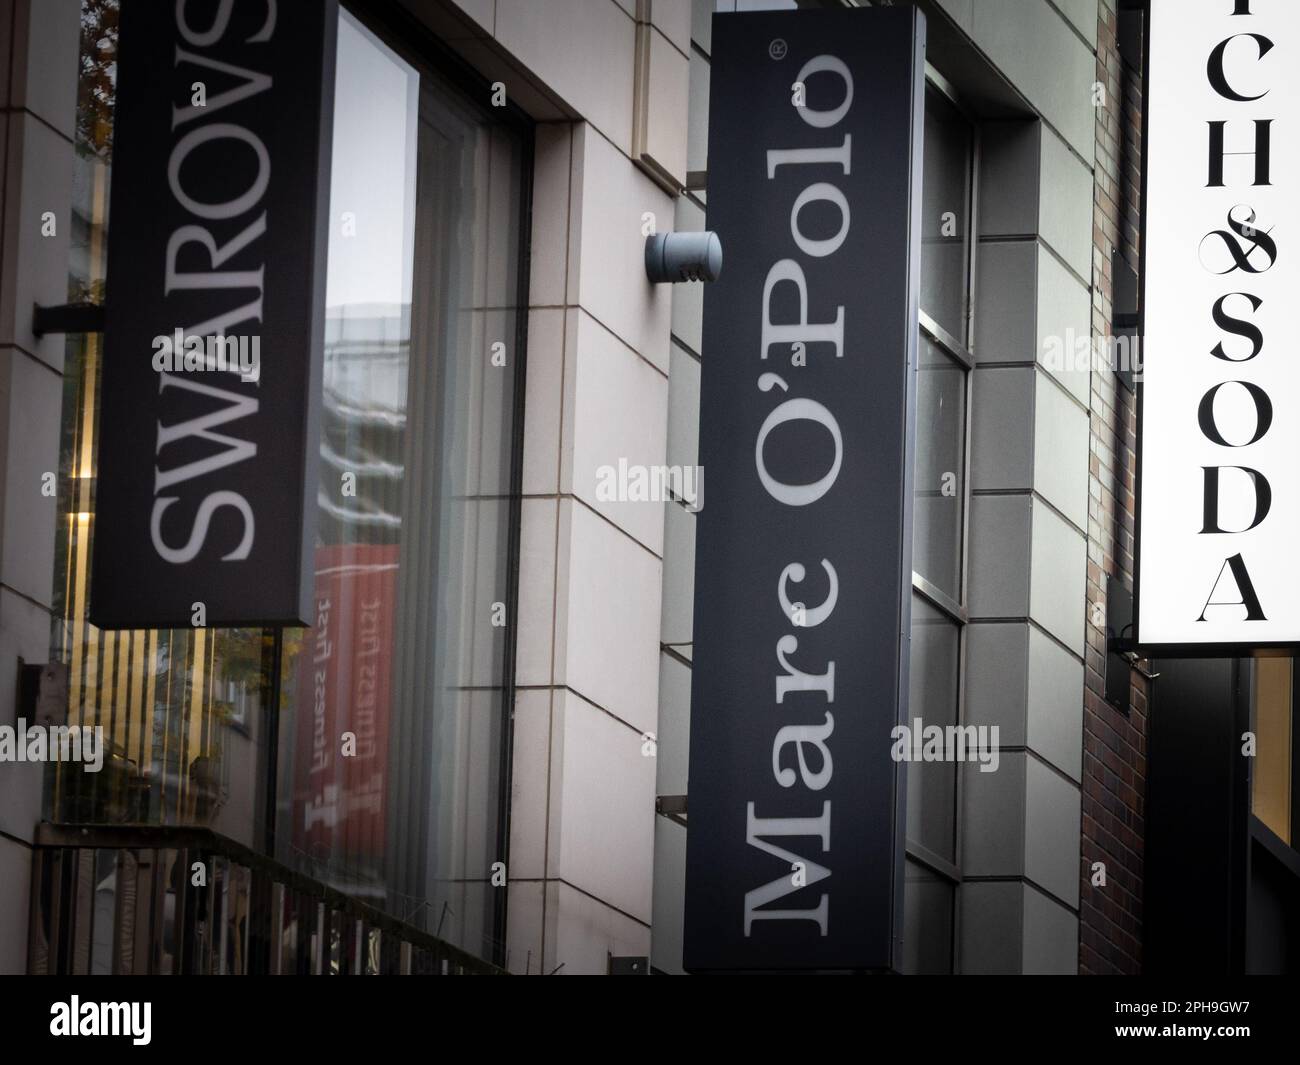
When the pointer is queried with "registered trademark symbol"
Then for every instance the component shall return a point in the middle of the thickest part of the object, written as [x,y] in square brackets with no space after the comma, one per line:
[777,48]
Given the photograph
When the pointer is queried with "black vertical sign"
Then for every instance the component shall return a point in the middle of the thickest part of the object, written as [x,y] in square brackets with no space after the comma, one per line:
[209,402]
[803,551]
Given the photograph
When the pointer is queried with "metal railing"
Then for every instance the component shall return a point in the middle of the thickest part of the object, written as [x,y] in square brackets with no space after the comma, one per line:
[150,899]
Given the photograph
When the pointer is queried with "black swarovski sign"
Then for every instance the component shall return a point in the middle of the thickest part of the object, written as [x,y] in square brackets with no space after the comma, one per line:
[803,553]
[214,314]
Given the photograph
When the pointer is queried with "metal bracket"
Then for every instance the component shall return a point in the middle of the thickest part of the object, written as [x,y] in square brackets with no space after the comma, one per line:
[42,693]
[1134,658]
[1122,653]
[1125,321]
[68,318]
[672,807]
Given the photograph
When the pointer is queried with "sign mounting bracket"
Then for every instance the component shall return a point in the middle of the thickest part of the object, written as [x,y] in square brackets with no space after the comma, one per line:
[67,318]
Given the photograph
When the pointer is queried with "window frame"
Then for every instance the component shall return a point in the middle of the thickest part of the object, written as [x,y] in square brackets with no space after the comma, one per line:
[419,45]
[955,609]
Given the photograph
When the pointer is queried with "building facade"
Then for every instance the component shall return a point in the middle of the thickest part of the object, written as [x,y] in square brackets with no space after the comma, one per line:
[476,759]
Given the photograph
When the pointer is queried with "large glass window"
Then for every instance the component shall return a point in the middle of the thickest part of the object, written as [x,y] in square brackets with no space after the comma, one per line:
[412,561]
[940,472]
[945,220]
[939,523]
[935,676]
[369,750]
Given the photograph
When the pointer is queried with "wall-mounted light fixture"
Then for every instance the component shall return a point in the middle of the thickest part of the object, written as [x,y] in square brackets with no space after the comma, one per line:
[673,257]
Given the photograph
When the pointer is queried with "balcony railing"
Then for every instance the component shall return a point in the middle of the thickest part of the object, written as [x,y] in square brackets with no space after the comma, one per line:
[149,899]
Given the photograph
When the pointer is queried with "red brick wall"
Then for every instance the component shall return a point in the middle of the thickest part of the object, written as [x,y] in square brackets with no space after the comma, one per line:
[1114,745]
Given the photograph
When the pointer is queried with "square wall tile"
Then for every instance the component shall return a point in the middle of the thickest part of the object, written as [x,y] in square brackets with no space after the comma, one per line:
[1058,585]
[678,617]
[1055,714]
[1031,184]
[549,253]
[683,408]
[1009,180]
[673,18]
[1064,326]
[1065,202]
[1083,15]
[674,735]
[1051,936]
[1060,449]
[697,122]
[1040,53]
[991,916]
[993,817]
[526,914]
[544,401]
[534,644]
[702,24]
[611,592]
[618,425]
[614,203]
[33,403]
[582,50]
[582,933]
[670,897]
[997,677]
[602,804]
[47,44]
[998,584]
[530,769]
[38,180]
[1002,428]
[1052,830]
[1029,308]
[1005,301]
[660,127]
[1009,928]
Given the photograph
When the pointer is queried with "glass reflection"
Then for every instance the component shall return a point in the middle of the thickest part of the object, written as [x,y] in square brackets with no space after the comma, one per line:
[392,701]
[940,478]
[932,786]
[378,733]
[945,220]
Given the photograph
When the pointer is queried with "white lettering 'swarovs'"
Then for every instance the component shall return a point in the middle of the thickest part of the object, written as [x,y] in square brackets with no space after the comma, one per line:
[197,128]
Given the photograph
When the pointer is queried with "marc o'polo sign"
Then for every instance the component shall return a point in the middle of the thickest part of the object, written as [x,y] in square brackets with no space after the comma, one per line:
[803,555]
[1219,478]
[206,479]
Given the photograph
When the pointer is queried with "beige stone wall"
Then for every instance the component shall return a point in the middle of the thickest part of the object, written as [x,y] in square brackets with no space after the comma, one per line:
[38,82]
